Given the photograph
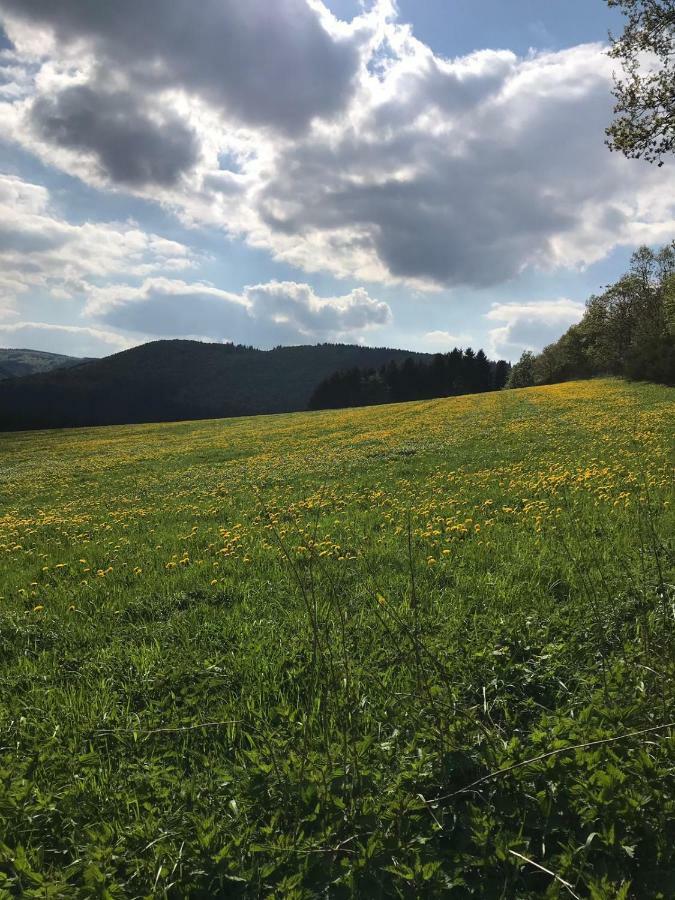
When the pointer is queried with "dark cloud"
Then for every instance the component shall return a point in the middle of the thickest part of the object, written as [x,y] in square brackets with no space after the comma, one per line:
[267,63]
[29,238]
[5,43]
[131,147]
[473,218]
[464,174]
[452,89]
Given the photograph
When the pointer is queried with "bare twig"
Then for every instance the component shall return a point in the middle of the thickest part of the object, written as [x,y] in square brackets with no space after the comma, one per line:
[562,881]
[534,759]
[168,730]
[339,848]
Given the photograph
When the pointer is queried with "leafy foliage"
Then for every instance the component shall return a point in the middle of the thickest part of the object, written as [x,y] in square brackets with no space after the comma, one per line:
[644,126]
[627,330]
[522,373]
[373,653]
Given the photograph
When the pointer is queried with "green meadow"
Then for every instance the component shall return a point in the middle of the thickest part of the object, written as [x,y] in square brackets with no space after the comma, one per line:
[421,650]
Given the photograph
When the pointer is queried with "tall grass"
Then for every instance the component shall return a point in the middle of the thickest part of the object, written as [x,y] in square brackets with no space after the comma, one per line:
[339,708]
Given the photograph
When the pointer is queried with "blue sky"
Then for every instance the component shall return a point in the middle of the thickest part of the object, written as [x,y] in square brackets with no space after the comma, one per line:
[419,174]
[456,27]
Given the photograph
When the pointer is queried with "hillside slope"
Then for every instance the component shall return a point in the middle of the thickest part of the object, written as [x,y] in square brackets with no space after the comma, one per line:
[355,653]
[174,380]
[18,363]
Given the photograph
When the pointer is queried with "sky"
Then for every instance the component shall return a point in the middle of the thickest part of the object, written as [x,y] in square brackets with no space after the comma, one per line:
[418,174]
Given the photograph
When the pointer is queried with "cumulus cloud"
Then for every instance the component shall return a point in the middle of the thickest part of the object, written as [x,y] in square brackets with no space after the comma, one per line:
[267,313]
[443,341]
[267,64]
[345,147]
[40,250]
[394,163]
[297,306]
[465,173]
[530,326]
[71,340]
[130,146]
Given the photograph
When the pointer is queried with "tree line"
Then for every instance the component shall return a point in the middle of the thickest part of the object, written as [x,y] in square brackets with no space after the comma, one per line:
[628,330]
[445,375]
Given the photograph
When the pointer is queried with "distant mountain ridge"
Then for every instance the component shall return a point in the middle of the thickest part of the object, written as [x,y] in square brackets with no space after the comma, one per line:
[18,363]
[175,380]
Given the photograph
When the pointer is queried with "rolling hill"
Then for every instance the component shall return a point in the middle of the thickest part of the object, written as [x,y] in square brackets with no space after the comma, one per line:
[174,380]
[18,363]
[372,652]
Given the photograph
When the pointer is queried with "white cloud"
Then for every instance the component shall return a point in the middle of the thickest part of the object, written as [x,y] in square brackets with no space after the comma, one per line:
[263,313]
[444,341]
[72,340]
[530,326]
[39,250]
[297,306]
[371,158]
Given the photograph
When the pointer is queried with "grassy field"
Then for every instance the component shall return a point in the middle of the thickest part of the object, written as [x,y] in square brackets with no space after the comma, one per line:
[343,653]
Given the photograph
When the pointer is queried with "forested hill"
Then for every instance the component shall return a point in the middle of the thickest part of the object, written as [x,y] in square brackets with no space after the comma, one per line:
[17,363]
[173,380]
[444,375]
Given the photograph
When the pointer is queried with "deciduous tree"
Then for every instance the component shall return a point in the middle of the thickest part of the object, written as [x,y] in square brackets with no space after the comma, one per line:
[644,123]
